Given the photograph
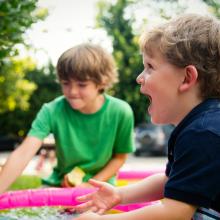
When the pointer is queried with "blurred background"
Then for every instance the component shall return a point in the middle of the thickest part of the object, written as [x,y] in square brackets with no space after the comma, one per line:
[34,33]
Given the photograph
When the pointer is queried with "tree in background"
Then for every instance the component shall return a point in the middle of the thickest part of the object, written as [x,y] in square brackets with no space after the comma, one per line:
[15,18]
[214,7]
[23,86]
[126,53]
[17,123]
[15,89]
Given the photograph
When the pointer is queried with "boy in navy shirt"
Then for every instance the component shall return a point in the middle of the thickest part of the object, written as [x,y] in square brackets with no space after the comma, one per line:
[181,77]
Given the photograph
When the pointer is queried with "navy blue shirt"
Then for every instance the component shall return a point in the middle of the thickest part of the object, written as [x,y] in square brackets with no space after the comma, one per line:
[193,167]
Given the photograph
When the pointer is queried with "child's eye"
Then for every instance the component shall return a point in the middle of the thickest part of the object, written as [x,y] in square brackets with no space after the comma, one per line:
[82,84]
[149,66]
[65,83]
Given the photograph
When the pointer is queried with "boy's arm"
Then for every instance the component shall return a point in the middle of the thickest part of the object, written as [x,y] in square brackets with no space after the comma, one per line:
[107,196]
[148,189]
[168,210]
[17,161]
[106,173]
[111,167]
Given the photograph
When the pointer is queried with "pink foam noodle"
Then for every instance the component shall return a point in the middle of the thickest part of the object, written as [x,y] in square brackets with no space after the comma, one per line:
[42,197]
[127,174]
[52,197]
[133,206]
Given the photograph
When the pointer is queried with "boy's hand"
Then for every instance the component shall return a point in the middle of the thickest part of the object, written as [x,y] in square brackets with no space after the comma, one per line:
[88,216]
[100,201]
[65,183]
[85,185]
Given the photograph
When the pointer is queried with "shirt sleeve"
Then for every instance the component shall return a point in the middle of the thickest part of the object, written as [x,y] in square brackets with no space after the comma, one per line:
[193,176]
[40,127]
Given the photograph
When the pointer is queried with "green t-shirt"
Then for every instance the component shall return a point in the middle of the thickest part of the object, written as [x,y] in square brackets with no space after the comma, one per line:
[87,141]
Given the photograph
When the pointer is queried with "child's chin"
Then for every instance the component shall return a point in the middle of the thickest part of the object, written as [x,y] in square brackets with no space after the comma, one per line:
[149,110]
[155,120]
[75,106]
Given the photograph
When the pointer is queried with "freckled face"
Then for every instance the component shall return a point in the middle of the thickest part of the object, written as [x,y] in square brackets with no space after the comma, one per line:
[82,96]
[160,82]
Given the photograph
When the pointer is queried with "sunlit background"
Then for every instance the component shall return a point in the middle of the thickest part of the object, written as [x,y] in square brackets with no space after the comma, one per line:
[35,33]
[71,22]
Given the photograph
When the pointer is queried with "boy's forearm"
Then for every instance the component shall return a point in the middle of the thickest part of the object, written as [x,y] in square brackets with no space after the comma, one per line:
[17,161]
[111,168]
[11,170]
[166,210]
[148,189]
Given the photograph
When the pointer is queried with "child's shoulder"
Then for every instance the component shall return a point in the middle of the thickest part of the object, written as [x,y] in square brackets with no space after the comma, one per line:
[211,121]
[55,104]
[209,118]
[117,102]
[116,106]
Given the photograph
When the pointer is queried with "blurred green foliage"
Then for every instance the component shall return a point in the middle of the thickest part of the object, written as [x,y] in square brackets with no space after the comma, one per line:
[214,7]
[126,53]
[15,18]
[23,86]
[15,89]
[18,122]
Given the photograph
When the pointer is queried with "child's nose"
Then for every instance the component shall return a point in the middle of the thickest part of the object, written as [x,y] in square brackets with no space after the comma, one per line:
[140,78]
[73,90]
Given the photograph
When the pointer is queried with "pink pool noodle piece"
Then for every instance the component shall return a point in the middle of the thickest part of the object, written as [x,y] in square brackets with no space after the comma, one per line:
[51,197]
[42,197]
[64,196]
[127,174]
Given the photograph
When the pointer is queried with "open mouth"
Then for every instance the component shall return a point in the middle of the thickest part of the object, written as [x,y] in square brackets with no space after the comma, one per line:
[149,98]
[150,103]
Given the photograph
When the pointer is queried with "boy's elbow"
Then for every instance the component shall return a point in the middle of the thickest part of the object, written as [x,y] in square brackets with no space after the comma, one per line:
[177,210]
[121,157]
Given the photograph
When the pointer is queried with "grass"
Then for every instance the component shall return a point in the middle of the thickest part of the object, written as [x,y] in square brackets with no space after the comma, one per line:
[26,182]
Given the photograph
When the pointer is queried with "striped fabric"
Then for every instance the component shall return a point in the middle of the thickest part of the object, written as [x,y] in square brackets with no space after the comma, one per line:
[206,214]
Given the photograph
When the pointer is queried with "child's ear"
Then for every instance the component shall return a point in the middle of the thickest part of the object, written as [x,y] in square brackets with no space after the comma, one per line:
[101,88]
[190,78]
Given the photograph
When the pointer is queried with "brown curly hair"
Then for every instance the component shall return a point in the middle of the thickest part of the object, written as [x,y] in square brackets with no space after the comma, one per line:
[88,61]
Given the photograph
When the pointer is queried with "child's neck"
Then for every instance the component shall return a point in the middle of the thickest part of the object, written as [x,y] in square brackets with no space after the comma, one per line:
[187,107]
[94,106]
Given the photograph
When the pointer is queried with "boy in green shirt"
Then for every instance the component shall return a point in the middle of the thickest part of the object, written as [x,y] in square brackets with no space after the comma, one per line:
[93,131]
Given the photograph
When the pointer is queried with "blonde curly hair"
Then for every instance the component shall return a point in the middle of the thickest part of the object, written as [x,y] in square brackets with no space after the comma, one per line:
[190,39]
